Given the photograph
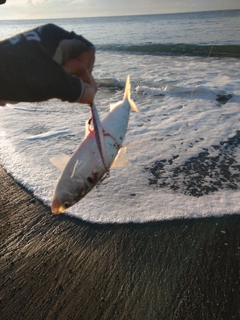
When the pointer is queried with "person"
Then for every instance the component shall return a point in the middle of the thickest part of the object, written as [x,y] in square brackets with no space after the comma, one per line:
[47,62]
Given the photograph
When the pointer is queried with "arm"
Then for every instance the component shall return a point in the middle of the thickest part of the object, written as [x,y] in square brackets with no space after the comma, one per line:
[47,62]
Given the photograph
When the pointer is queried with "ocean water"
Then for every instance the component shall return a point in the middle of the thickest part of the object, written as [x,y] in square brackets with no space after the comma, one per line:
[183,145]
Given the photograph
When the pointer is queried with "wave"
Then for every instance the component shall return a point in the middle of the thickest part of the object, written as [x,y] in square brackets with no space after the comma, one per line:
[179,49]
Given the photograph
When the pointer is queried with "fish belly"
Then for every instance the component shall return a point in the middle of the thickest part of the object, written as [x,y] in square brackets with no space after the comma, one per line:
[116,122]
[86,160]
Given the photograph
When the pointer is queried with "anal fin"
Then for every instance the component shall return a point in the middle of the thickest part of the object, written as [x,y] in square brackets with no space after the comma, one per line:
[121,159]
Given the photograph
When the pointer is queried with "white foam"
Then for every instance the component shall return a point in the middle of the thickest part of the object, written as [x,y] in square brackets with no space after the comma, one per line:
[183,123]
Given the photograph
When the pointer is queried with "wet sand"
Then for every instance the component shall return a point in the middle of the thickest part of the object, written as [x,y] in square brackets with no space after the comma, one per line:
[57,267]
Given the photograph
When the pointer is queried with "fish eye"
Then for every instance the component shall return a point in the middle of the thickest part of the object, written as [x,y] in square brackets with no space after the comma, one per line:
[90,180]
[66,205]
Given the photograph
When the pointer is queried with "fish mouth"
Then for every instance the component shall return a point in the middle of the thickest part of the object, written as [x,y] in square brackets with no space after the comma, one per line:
[56,207]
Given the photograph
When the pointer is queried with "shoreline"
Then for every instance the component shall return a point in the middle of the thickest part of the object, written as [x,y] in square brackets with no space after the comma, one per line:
[59,267]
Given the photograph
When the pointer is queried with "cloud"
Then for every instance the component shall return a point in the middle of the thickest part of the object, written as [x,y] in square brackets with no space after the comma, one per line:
[32,9]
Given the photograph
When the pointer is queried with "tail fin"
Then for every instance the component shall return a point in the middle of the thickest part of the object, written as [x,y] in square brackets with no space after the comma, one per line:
[127,95]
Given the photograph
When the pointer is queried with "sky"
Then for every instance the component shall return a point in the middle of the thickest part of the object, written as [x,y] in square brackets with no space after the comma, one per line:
[45,9]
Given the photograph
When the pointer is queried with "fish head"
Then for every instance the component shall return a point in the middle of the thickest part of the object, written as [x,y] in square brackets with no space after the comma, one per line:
[68,193]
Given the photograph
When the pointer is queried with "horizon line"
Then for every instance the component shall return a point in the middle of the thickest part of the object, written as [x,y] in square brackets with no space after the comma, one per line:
[125,15]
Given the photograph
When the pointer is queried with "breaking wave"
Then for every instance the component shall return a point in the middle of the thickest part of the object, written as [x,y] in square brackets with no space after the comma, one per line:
[180,49]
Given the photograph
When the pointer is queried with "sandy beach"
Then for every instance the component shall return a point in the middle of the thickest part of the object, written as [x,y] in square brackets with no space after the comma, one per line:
[57,267]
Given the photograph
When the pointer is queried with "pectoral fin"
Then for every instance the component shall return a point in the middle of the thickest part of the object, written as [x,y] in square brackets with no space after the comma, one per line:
[60,161]
[121,159]
[88,127]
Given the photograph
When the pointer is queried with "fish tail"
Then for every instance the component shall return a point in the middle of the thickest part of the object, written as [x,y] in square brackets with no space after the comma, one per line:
[127,95]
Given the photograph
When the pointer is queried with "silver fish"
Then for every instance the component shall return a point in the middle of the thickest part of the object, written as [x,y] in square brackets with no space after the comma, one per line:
[86,168]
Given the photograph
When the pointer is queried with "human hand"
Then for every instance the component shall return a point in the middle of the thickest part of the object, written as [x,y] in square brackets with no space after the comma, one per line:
[47,62]
[82,67]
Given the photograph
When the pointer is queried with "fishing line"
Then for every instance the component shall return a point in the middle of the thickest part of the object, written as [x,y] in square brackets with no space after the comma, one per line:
[216,38]
[213,44]
[98,130]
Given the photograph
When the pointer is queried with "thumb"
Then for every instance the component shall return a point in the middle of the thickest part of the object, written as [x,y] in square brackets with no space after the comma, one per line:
[88,93]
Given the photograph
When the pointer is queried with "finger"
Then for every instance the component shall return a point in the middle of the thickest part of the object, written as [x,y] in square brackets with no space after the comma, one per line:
[82,62]
[88,59]
[87,94]
[79,69]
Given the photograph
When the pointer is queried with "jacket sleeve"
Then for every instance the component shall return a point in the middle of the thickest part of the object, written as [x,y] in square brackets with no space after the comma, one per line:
[31,65]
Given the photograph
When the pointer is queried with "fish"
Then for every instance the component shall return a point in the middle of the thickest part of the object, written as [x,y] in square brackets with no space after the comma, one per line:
[87,166]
